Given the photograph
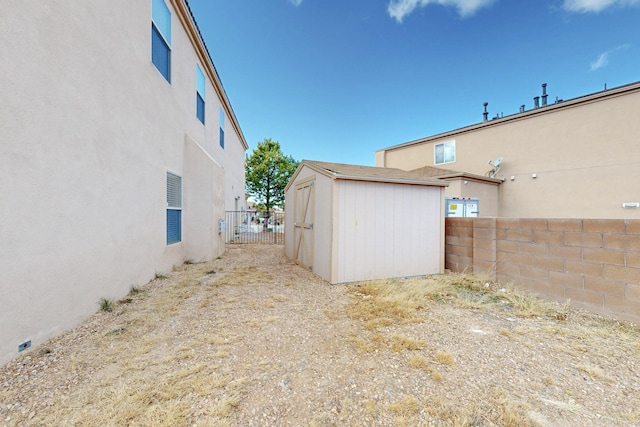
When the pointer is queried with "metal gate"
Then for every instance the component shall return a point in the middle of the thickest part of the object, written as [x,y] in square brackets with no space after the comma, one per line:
[254,227]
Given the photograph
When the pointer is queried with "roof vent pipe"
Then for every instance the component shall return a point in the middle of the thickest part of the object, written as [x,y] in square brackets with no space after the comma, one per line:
[536,102]
[522,108]
[544,94]
[485,115]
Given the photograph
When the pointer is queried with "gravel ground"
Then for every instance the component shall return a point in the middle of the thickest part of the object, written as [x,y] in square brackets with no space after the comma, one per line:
[252,339]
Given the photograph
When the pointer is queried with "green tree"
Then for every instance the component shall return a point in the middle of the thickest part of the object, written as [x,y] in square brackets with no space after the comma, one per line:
[267,173]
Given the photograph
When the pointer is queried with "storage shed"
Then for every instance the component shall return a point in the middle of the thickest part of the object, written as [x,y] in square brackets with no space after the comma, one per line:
[349,223]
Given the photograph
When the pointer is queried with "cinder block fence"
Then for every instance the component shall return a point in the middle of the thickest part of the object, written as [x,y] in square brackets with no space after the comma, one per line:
[594,263]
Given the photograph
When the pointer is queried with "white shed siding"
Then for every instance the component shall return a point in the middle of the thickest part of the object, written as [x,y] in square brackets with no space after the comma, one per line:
[369,223]
[323,226]
[386,230]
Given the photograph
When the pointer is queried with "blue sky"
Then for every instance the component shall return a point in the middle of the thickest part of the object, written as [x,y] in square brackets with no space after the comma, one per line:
[335,80]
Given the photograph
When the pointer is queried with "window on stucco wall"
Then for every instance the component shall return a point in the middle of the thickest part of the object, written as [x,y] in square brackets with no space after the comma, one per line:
[174,208]
[200,92]
[444,152]
[161,38]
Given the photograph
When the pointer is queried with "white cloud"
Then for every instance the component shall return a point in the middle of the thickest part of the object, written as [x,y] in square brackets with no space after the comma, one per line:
[295,2]
[602,61]
[585,6]
[603,58]
[398,9]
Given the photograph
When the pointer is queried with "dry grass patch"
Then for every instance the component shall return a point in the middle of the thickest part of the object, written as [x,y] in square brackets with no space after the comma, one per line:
[506,332]
[408,405]
[380,303]
[153,396]
[420,362]
[391,299]
[510,412]
[257,323]
[401,343]
[371,407]
[444,358]
[497,410]
[362,345]
[375,324]
[243,276]
[595,372]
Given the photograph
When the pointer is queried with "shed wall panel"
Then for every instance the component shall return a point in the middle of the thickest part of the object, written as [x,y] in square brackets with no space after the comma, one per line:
[322,227]
[386,230]
[322,221]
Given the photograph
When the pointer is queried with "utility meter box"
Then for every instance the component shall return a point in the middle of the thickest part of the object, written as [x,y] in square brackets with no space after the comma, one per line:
[462,207]
[222,226]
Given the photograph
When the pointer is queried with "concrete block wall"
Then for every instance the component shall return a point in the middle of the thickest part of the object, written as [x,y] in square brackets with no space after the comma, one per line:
[594,263]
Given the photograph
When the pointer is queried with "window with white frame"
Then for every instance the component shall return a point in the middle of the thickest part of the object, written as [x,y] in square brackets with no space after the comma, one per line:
[200,87]
[174,208]
[161,38]
[444,152]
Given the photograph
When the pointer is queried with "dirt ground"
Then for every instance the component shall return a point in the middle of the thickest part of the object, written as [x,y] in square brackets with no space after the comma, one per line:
[252,339]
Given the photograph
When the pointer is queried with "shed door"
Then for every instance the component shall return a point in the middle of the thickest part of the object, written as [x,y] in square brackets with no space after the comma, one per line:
[303,223]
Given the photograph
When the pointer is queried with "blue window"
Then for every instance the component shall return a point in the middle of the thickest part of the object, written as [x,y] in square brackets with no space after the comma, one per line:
[174,208]
[200,91]
[221,128]
[174,229]
[161,38]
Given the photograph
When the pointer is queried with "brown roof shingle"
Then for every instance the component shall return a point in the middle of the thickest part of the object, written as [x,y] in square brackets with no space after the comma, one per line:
[372,173]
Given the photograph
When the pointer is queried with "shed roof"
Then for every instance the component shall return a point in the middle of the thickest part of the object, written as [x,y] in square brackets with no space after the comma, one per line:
[449,174]
[367,173]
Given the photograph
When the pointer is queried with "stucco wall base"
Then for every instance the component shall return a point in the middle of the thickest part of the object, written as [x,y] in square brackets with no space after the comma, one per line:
[591,263]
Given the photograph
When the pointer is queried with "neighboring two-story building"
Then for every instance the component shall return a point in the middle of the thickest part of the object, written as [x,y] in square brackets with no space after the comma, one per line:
[578,158]
[119,153]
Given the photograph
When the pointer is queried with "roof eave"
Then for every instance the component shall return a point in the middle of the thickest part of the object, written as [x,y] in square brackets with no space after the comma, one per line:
[585,99]
[193,32]
[470,177]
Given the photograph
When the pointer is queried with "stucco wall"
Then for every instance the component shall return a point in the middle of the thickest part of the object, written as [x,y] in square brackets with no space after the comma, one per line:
[487,194]
[89,129]
[593,263]
[582,155]
[203,189]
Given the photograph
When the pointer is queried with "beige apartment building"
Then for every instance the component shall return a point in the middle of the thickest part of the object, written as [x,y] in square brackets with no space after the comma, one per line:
[120,153]
[577,158]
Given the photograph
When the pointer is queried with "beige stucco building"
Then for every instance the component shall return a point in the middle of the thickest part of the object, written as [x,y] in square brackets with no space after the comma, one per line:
[577,158]
[120,153]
